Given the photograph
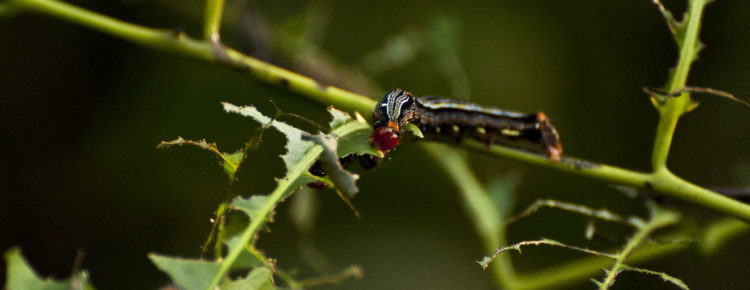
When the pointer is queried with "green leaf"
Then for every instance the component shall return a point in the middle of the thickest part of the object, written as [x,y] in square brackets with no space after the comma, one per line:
[339,118]
[357,134]
[21,276]
[235,222]
[245,259]
[230,162]
[250,206]
[344,181]
[257,279]
[356,139]
[188,274]
[296,147]
[413,130]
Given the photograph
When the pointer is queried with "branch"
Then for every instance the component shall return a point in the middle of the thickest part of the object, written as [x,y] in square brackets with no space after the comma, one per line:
[659,219]
[484,215]
[214,10]
[661,181]
[673,108]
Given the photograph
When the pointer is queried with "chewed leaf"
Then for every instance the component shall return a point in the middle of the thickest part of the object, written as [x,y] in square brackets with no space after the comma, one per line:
[344,181]
[245,259]
[188,274]
[230,162]
[664,276]
[250,206]
[349,136]
[603,213]
[22,276]
[339,118]
[485,262]
[296,147]
[353,271]
[181,141]
[357,142]
[357,132]
[257,279]
[353,138]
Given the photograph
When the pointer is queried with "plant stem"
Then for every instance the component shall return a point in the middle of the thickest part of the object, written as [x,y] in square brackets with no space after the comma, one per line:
[659,219]
[662,181]
[214,10]
[177,42]
[586,267]
[285,185]
[485,217]
[671,111]
[719,233]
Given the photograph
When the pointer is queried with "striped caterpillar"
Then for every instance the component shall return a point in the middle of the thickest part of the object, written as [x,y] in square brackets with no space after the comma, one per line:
[439,117]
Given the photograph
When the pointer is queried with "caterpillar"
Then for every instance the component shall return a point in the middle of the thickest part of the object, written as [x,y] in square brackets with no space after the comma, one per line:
[439,117]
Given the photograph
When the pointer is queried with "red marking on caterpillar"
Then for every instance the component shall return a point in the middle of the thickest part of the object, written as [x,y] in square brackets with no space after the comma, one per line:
[385,137]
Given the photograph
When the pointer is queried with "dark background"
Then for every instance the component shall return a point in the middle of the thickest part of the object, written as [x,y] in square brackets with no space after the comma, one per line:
[81,114]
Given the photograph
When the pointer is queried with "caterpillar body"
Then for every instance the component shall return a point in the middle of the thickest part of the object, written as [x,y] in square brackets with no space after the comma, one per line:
[439,117]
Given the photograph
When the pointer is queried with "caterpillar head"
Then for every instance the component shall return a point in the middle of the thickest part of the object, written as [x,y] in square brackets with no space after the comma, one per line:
[392,112]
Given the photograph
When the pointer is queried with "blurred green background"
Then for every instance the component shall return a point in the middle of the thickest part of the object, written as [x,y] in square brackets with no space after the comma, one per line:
[81,114]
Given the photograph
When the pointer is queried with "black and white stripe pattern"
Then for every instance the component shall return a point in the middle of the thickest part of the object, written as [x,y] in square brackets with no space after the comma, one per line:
[439,117]
[396,106]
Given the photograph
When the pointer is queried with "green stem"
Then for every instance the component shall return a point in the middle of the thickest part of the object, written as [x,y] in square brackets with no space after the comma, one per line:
[721,232]
[661,181]
[582,268]
[179,43]
[671,111]
[659,219]
[485,217]
[284,186]
[214,10]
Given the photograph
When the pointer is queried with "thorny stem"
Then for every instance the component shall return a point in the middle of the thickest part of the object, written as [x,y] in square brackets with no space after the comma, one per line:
[660,181]
[284,186]
[671,111]
[486,219]
[659,219]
